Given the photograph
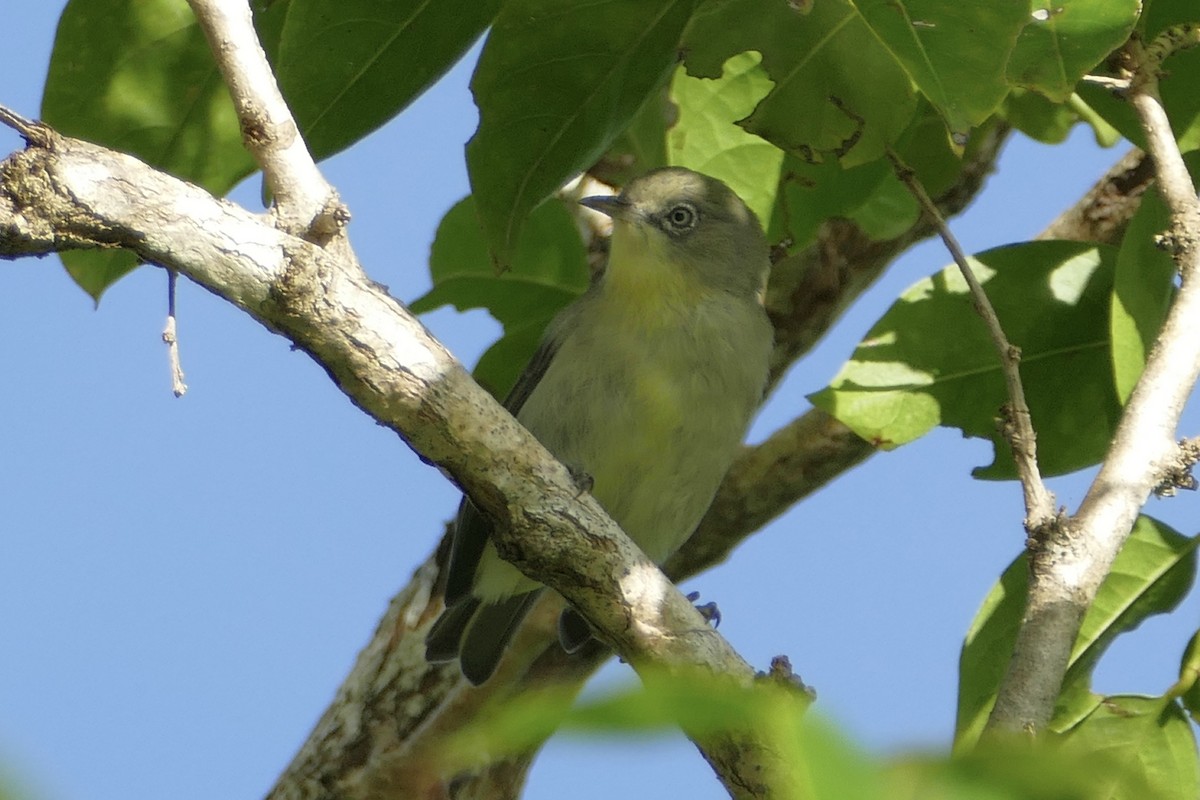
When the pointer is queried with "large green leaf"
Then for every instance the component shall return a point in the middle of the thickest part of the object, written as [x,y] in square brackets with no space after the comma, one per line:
[137,76]
[838,92]
[929,361]
[705,139]
[348,66]
[500,365]
[1150,739]
[1151,575]
[1157,15]
[642,146]
[1049,122]
[955,52]
[1066,38]
[811,193]
[1142,291]
[556,83]
[549,270]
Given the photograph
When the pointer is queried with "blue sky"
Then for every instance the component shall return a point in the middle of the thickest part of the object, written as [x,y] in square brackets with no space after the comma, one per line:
[186,582]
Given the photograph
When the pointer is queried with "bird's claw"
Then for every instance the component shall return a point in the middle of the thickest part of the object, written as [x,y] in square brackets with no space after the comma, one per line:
[709,610]
[581,478]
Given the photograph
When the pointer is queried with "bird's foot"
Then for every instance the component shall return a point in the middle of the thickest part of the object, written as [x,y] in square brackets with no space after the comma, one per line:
[582,479]
[709,610]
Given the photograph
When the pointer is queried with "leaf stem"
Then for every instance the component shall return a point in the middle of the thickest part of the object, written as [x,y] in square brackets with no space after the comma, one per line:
[1017,425]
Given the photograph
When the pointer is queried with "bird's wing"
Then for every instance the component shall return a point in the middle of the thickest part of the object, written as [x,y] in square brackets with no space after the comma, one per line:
[472,527]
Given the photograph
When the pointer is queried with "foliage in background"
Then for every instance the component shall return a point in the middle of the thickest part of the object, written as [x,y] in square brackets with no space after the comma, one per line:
[795,105]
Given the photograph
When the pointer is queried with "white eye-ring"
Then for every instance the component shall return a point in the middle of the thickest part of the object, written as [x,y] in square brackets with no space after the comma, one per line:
[682,217]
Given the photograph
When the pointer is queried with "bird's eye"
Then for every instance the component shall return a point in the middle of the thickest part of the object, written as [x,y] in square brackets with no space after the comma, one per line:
[682,217]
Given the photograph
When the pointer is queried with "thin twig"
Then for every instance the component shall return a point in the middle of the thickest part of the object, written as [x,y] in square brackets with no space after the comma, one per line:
[1117,85]
[31,130]
[1018,425]
[304,202]
[178,387]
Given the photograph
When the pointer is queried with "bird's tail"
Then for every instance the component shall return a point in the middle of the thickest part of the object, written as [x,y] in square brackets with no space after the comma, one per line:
[476,633]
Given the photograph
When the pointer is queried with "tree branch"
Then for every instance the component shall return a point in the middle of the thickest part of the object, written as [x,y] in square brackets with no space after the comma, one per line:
[1067,567]
[305,204]
[73,194]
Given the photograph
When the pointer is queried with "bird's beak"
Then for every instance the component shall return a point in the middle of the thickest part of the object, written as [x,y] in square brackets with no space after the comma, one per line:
[612,205]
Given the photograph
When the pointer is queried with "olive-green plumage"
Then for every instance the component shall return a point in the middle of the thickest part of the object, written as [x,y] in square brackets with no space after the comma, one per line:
[646,383]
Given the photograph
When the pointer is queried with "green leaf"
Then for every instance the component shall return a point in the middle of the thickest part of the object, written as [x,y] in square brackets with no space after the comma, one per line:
[870,194]
[1158,15]
[986,651]
[1180,98]
[96,270]
[928,152]
[1189,676]
[500,364]
[348,66]
[811,193]
[548,271]
[1064,40]
[556,83]
[1106,135]
[929,361]
[642,146]
[1151,575]
[1075,702]
[855,98]
[1142,290]
[955,52]
[821,763]
[1177,86]
[137,76]
[1149,739]
[1001,768]
[1038,118]
[889,212]
[705,139]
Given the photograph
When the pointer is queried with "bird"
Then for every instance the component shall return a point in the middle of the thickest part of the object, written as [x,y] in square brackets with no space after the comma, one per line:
[644,387]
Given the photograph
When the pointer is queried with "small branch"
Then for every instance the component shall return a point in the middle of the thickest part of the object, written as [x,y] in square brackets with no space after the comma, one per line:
[32,131]
[305,203]
[1114,85]
[1174,182]
[178,387]
[1018,425]
[1167,43]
